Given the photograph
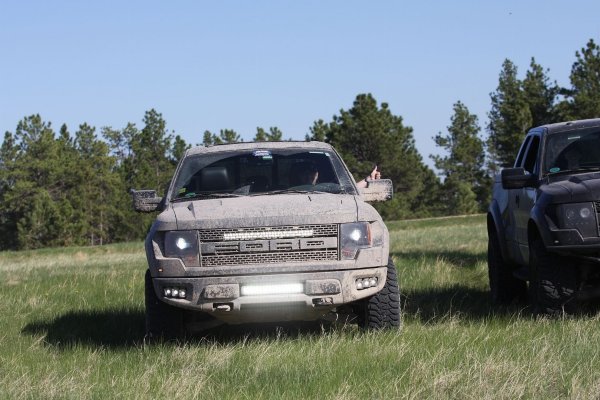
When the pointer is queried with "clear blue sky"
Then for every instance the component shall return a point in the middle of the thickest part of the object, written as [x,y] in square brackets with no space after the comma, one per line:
[242,64]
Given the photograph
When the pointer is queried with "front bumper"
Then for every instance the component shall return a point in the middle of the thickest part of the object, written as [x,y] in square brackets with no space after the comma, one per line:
[222,296]
[570,242]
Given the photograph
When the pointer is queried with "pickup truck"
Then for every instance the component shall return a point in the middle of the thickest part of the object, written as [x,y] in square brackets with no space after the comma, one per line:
[265,232]
[543,220]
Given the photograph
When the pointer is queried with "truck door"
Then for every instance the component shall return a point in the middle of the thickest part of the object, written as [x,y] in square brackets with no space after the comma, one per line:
[511,212]
[526,197]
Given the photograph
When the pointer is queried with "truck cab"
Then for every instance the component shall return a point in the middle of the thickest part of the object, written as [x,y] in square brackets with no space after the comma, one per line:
[262,232]
[544,242]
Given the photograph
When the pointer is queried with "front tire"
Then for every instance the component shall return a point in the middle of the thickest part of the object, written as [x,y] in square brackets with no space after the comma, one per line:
[553,282]
[382,310]
[504,287]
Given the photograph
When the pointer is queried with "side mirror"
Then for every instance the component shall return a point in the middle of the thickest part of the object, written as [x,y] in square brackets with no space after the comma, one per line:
[145,200]
[377,190]
[517,178]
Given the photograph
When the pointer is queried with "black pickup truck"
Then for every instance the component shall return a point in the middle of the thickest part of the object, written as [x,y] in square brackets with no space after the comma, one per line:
[543,220]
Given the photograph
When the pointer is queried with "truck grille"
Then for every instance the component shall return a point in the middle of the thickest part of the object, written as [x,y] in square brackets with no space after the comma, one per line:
[269,258]
[268,245]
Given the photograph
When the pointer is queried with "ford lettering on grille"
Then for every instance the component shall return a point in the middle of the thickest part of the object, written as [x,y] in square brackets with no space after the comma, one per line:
[261,248]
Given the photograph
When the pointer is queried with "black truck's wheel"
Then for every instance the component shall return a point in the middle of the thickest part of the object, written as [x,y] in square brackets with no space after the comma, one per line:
[382,310]
[553,282]
[162,320]
[504,287]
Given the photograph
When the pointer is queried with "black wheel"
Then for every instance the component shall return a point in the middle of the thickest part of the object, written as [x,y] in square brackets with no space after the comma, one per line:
[162,320]
[504,287]
[553,282]
[382,310]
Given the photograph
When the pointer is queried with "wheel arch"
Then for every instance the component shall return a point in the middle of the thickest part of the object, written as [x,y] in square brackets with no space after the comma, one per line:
[494,224]
[537,227]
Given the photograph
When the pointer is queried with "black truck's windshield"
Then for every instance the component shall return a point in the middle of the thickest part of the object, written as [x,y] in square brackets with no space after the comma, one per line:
[572,151]
[264,171]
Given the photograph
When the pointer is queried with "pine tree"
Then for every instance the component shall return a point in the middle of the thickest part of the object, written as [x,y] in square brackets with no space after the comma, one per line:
[368,134]
[8,217]
[274,134]
[179,149]
[318,131]
[261,135]
[583,99]
[540,94]
[229,136]
[208,138]
[509,118]
[465,160]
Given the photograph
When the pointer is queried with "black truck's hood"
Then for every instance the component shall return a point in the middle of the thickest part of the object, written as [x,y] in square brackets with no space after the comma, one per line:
[572,189]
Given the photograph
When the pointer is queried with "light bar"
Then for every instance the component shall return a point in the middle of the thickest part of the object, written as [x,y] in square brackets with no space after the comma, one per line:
[268,234]
[261,290]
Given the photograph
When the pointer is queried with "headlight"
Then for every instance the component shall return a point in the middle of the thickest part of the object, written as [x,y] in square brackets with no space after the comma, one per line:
[353,237]
[184,245]
[580,216]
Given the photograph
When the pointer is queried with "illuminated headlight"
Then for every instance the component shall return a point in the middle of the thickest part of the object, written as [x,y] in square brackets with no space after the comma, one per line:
[184,245]
[353,237]
[580,216]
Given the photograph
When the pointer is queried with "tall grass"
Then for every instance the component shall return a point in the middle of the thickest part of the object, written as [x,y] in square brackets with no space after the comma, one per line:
[72,327]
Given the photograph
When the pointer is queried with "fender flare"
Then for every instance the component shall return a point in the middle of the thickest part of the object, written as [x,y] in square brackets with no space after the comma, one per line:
[537,220]
[494,221]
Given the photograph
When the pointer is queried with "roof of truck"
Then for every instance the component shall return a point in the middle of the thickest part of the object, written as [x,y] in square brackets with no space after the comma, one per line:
[571,125]
[258,146]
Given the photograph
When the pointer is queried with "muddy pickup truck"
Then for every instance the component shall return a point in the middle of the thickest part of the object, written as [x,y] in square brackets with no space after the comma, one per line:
[265,232]
[543,220]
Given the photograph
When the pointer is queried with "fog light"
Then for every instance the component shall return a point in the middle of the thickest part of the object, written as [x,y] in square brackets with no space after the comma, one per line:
[175,292]
[167,292]
[182,294]
[365,283]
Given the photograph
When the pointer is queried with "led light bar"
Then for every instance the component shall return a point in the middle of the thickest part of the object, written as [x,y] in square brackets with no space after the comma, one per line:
[262,290]
[268,234]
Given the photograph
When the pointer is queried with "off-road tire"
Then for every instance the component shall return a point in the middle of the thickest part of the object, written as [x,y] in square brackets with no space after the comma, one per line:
[553,282]
[382,310]
[163,321]
[504,287]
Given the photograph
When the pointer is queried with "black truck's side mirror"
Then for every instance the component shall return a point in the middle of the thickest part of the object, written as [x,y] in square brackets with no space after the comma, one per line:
[517,178]
[145,200]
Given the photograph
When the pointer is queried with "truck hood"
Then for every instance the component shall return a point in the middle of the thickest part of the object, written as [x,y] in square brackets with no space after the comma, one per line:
[273,210]
[573,189]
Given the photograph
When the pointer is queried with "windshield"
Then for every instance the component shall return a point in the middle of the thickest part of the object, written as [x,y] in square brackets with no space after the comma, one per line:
[572,151]
[251,172]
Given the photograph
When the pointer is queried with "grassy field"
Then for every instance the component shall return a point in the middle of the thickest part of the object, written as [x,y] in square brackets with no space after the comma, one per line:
[72,327]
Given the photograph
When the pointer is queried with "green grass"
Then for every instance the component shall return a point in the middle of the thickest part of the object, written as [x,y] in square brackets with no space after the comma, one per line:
[72,327]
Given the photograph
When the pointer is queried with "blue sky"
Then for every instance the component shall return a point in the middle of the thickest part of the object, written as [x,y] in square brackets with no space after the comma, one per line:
[242,64]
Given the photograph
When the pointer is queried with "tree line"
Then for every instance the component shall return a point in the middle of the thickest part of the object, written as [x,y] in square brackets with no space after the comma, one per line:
[59,188]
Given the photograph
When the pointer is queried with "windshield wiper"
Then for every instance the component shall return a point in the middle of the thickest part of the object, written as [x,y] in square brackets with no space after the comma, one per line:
[296,191]
[194,196]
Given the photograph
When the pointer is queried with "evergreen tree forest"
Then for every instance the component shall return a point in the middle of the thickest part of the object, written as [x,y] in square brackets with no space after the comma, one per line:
[62,188]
